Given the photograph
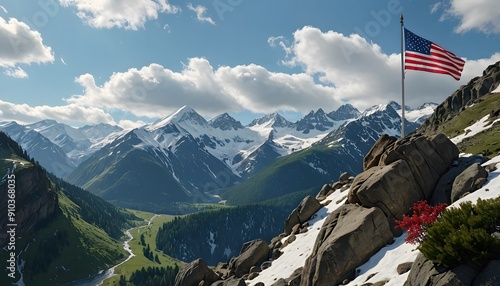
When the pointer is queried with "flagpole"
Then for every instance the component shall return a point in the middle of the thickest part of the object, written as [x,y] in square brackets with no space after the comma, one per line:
[402,79]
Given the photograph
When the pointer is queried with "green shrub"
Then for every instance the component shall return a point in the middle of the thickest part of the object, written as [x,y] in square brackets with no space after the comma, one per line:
[463,235]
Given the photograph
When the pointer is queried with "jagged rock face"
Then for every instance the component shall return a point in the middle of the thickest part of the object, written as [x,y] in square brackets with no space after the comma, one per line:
[35,201]
[465,95]
[408,170]
[302,213]
[341,245]
[194,273]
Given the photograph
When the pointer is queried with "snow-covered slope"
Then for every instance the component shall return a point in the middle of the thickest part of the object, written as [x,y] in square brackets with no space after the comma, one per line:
[77,143]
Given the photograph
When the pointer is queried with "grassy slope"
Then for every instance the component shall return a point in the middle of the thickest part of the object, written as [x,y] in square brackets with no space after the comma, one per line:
[485,143]
[289,174]
[139,261]
[100,251]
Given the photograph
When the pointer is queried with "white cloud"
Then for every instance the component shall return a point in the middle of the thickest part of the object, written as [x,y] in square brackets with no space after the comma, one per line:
[20,45]
[71,114]
[282,42]
[363,75]
[337,69]
[63,62]
[129,124]
[435,7]
[16,72]
[481,15]
[200,13]
[130,15]
[155,91]
[3,9]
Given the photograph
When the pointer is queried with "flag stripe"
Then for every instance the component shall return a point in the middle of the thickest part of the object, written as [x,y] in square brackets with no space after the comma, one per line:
[431,62]
[433,70]
[423,55]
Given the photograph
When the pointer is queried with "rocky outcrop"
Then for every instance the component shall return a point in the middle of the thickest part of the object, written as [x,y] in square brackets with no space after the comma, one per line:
[194,273]
[35,199]
[442,191]
[464,96]
[407,171]
[302,213]
[468,181]
[252,253]
[349,237]
[425,272]
[373,157]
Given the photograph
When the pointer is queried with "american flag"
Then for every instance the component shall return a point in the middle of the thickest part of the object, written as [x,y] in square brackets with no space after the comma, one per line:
[424,55]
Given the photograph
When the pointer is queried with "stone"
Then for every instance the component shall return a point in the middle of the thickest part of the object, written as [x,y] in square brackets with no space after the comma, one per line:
[302,213]
[195,272]
[344,177]
[442,191]
[404,267]
[323,192]
[255,269]
[391,188]
[372,158]
[342,235]
[253,275]
[424,272]
[295,278]
[468,181]
[266,265]
[251,254]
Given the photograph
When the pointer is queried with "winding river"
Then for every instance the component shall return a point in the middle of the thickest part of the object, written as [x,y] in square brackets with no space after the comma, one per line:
[99,278]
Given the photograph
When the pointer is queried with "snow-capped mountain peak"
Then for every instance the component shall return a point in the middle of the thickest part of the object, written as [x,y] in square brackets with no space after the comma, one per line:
[185,116]
[271,120]
[225,122]
[344,112]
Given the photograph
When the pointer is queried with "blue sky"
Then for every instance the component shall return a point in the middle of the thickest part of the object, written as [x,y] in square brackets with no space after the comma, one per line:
[128,62]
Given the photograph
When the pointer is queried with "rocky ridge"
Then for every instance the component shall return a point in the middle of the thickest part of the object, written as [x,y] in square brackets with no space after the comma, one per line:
[397,173]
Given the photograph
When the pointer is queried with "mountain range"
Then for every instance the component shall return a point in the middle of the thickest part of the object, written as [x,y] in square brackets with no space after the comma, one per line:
[185,158]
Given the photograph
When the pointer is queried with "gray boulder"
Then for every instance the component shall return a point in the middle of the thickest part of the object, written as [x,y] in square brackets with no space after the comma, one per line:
[252,253]
[195,272]
[424,272]
[351,232]
[372,159]
[442,191]
[391,188]
[468,181]
[427,157]
[302,213]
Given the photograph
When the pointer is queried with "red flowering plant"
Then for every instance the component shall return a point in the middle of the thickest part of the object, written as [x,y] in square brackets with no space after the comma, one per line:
[422,216]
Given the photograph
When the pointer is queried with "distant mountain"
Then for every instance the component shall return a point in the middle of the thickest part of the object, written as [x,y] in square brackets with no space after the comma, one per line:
[225,122]
[318,120]
[50,155]
[77,143]
[342,150]
[274,120]
[344,112]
